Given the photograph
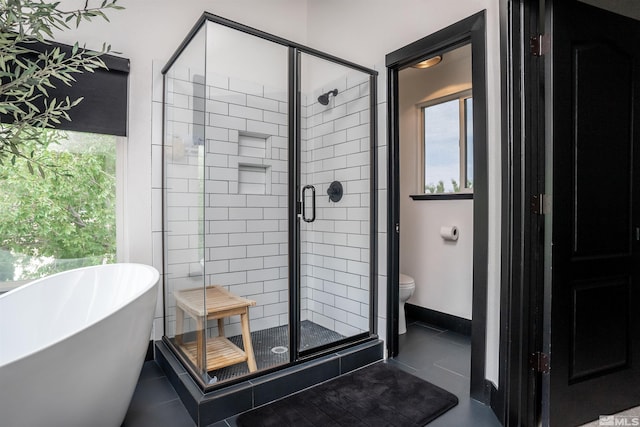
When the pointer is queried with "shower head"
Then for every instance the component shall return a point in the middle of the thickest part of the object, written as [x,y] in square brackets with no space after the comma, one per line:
[324,98]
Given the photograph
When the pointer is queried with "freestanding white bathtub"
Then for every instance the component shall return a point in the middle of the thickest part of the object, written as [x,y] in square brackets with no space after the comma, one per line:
[72,346]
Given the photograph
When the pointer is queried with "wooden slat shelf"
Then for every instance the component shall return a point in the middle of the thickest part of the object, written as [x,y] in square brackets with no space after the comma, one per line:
[220,353]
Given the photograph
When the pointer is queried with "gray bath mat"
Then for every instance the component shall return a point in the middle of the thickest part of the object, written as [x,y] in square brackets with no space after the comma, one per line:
[374,396]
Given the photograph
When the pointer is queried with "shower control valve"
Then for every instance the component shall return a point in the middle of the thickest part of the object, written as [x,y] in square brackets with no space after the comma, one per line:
[335,191]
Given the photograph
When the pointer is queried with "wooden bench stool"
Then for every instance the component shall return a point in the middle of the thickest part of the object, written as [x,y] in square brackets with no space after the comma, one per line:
[220,303]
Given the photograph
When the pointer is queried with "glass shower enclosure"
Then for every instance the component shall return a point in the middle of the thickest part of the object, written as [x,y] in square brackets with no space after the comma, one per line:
[269,202]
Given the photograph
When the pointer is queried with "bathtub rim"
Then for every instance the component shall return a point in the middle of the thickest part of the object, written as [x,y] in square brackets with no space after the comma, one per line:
[155,278]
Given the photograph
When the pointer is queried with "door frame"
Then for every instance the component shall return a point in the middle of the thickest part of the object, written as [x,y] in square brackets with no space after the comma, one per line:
[524,64]
[471,30]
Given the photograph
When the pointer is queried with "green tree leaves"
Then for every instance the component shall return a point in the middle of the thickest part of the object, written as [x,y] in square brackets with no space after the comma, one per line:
[439,188]
[55,204]
[26,74]
[69,215]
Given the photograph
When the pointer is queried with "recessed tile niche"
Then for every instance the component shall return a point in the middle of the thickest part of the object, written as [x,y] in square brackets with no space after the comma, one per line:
[252,146]
[254,178]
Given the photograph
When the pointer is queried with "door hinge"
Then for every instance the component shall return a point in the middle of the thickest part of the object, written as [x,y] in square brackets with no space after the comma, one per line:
[538,45]
[539,362]
[540,204]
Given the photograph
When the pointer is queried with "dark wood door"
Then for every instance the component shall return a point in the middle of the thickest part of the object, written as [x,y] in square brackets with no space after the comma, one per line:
[595,295]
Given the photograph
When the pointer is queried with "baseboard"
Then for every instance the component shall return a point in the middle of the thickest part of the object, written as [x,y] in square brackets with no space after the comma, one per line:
[438,319]
[495,399]
[149,356]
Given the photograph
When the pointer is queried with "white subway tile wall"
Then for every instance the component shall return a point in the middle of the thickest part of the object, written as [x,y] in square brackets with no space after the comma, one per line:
[335,248]
[226,198]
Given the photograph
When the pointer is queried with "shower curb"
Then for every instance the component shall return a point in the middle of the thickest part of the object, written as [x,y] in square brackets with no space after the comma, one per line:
[209,407]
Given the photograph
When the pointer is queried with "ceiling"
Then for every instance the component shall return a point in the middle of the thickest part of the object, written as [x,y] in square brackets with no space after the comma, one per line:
[462,53]
[630,8]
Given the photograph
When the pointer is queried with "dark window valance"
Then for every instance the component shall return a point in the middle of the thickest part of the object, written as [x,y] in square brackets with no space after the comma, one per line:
[104,107]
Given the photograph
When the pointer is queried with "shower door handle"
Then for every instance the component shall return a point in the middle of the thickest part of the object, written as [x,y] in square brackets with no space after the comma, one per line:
[313,203]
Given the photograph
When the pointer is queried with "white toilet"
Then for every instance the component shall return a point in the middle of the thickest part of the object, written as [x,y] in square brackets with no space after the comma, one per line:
[407,286]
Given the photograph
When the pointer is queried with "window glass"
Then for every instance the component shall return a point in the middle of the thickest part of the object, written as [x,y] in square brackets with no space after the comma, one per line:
[448,145]
[63,217]
[442,152]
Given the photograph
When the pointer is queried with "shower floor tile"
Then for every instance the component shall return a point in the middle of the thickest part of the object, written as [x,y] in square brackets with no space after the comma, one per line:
[266,340]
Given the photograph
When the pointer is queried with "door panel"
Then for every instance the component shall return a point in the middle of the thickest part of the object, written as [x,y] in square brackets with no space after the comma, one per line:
[599,344]
[335,217]
[595,333]
[602,142]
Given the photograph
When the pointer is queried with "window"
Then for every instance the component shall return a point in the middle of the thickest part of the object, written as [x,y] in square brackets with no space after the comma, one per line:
[447,126]
[66,220]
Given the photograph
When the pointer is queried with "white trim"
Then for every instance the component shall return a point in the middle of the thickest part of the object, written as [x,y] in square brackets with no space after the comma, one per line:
[122,246]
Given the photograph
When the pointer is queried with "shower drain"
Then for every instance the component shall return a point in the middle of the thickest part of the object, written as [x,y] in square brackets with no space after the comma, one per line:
[279,349]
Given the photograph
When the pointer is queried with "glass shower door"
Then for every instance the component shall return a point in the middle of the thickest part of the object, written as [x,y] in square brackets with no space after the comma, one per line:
[335,203]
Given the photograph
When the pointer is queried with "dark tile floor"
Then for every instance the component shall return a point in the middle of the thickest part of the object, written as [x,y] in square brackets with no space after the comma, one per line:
[443,358]
[438,356]
[155,402]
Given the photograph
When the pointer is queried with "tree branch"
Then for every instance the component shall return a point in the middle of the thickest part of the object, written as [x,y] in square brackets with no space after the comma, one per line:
[77,218]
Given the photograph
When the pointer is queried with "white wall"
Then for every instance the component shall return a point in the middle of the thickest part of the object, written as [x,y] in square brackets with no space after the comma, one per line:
[363,31]
[443,270]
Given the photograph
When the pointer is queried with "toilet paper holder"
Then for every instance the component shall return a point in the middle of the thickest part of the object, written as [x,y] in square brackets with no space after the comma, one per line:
[449,233]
